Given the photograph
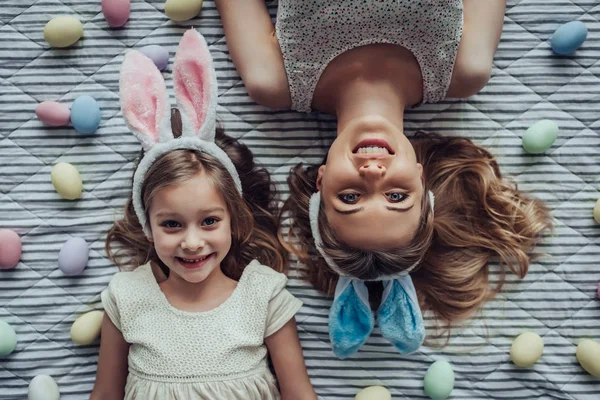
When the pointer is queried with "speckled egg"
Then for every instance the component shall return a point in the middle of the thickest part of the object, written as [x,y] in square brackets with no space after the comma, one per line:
[588,355]
[86,329]
[527,349]
[8,339]
[439,380]
[43,387]
[158,54]
[73,256]
[374,393]
[66,181]
[10,249]
[540,136]
[52,113]
[116,12]
[63,31]
[85,114]
[182,10]
[568,38]
[596,211]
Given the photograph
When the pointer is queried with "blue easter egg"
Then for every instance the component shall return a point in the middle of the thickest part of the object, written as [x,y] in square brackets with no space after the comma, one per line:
[158,54]
[568,37]
[85,114]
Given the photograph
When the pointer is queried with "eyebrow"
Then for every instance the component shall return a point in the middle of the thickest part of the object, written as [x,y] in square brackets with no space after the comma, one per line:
[207,211]
[358,209]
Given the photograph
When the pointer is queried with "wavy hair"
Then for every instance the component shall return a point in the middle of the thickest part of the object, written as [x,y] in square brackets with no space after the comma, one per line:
[479,215]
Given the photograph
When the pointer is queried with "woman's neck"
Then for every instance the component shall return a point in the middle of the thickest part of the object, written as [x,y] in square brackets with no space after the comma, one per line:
[358,99]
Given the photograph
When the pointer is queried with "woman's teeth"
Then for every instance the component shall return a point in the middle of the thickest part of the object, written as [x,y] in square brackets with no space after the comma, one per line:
[372,149]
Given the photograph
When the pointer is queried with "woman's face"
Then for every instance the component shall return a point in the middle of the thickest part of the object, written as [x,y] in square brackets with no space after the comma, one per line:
[371,186]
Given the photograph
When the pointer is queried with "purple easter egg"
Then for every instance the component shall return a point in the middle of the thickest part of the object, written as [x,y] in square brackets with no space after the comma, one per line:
[598,292]
[158,54]
[73,256]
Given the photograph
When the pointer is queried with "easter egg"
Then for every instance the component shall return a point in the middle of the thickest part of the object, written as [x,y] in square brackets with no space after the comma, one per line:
[158,54]
[53,113]
[526,349]
[8,339]
[63,31]
[43,387]
[182,10]
[568,38]
[598,291]
[73,256]
[10,249]
[588,355]
[596,211]
[87,328]
[374,393]
[66,181]
[540,136]
[85,114]
[116,12]
[439,380]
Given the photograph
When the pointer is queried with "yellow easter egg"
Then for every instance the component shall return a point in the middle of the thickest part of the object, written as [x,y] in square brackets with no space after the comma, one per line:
[526,349]
[66,181]
[373,393]
[182,10]
[87,327]
[597,211]
[588,355]
[63,31]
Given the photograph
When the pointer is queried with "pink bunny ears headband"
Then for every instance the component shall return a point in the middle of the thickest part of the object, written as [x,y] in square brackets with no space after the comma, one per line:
[146,109]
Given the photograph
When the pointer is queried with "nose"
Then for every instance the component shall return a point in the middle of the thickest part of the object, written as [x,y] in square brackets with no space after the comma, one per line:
[372,170]
[193,240]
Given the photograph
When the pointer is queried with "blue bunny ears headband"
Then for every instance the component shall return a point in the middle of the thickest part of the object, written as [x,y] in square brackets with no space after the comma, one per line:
[351,319]
[146,109]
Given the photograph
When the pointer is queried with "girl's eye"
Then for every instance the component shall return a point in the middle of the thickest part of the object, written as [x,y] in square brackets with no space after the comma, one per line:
[396,197]
[170,224]
[349,198]
[210,221]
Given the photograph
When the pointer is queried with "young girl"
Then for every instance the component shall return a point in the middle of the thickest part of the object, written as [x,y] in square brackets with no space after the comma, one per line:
[200,214]
[369,208]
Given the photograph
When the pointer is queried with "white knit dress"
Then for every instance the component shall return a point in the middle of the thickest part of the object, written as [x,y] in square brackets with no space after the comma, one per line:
[217,354]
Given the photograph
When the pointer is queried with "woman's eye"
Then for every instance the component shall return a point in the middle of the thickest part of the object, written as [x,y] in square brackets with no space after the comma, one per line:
[170,224]
[349,198]
[396,197]
[210,221]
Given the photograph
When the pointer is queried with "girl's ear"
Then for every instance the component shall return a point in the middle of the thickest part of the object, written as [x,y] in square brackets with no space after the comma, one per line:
[144,100]
[195,84]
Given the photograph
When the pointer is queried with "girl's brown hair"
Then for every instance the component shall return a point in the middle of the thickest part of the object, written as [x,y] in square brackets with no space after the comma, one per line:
[253,221]
[478,215]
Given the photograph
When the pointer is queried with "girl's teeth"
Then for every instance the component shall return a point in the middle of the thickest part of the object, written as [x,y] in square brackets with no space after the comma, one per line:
[194,261]
[372,149]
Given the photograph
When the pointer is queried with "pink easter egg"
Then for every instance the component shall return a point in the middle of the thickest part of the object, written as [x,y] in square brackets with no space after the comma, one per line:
[53,113]
[116,12]
[10,249]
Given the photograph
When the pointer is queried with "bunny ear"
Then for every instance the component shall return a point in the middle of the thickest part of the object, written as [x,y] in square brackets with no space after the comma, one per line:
[144,100]
[195,84]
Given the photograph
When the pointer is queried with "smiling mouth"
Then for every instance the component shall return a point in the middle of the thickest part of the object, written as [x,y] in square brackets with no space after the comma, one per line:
[373,146]
[193,263]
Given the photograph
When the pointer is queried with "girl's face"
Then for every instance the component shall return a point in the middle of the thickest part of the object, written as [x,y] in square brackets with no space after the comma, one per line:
[191,228]
[371,186]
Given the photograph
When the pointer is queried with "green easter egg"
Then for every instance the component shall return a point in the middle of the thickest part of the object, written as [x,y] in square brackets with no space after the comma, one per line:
[439,380]
[8,339]
[540,136]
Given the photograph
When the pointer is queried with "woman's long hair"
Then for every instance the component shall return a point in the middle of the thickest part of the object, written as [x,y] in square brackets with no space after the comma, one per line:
[479,215]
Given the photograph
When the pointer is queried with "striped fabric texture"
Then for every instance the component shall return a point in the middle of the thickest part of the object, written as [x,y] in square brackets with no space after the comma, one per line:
[557,299]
